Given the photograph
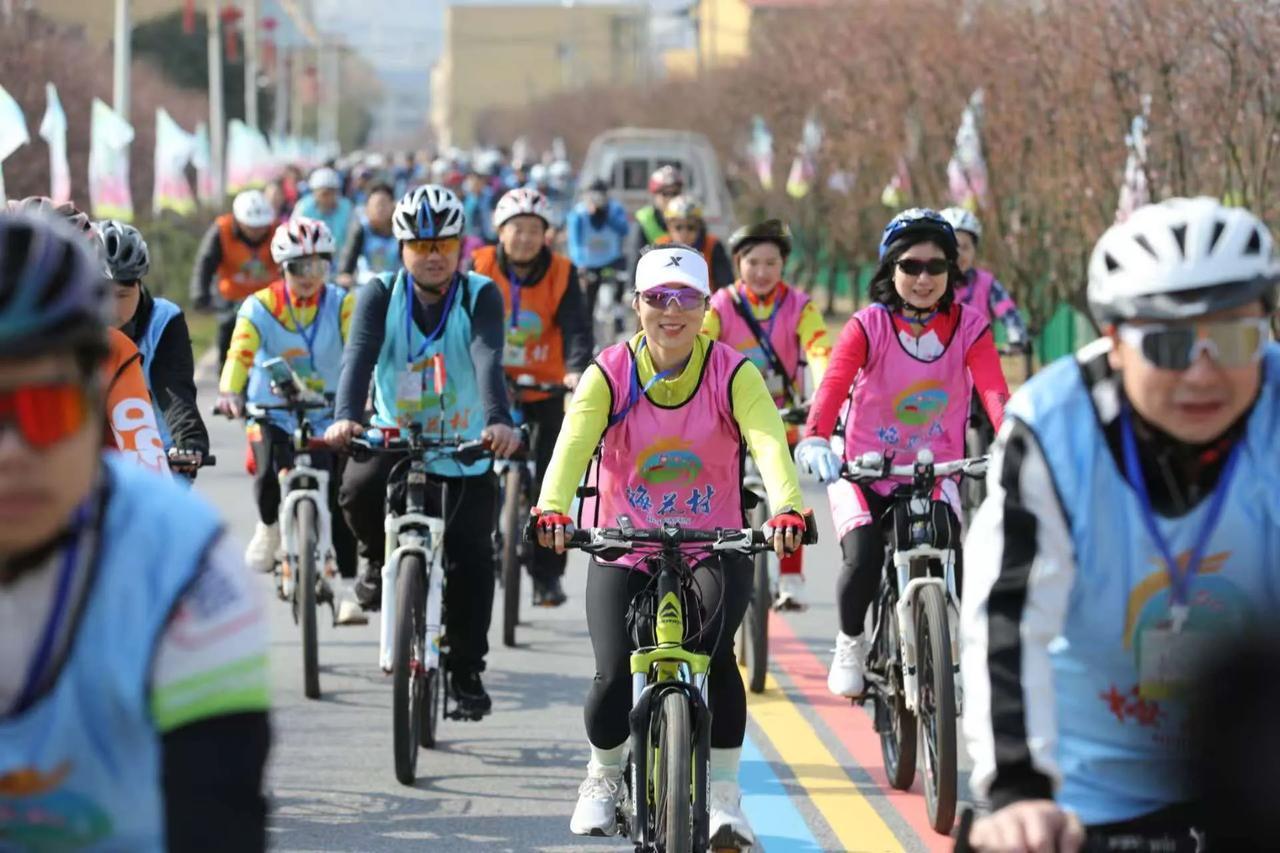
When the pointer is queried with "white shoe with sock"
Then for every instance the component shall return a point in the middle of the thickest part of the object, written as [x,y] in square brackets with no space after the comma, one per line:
[260,553]
[790,593]
[598,797]
[729,827]
[845,678]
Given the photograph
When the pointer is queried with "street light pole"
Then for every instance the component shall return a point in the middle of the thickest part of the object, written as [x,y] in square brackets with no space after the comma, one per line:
[217,128]
[280,111]
[250,24]
[121,84]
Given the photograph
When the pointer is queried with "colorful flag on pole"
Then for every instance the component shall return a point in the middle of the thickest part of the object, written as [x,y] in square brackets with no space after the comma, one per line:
[249,160]
[760,151]
[13,131]
[109,140]
[174,149]
[202,160]
[899,186]
[1134,190]
[967,171]
[53,130]
[805,166]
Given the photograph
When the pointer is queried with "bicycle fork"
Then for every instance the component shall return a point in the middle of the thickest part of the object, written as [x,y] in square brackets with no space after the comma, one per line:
[418,534]
[288,528]
[905,609]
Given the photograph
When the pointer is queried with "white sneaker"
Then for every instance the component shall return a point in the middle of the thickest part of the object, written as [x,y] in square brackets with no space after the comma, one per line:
[790,593]
[597,810]
[729,827]
[260,553]
[349,610]
[848,665]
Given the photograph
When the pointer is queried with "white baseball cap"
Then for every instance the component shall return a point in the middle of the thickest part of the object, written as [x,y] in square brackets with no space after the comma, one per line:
[324,178]
[672,266]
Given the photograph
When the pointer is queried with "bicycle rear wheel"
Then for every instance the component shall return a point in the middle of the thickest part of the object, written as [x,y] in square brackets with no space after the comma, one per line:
[895,722]
[304,592]
[511,532]
[756,621]
[673,776]
[937,707]
[408,677]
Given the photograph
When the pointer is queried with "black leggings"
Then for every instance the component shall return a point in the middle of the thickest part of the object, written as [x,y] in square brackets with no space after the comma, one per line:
[544,419]
[610,590]
[272,452]
[864,560]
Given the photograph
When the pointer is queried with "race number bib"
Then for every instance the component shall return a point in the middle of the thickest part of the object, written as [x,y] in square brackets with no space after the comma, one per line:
[1171,661]
[409,386]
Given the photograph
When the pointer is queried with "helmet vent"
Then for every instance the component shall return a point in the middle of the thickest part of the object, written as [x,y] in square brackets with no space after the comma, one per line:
[1180,235]
[1112,265]
[1218,227]
[1254,247]
[1142,241]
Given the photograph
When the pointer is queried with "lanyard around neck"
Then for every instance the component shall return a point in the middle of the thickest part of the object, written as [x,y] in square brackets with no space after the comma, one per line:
[633,396]
[308,339]
[408,317]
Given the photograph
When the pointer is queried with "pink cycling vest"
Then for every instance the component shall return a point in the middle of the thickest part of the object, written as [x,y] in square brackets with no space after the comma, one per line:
[900,403]
[780,328]
[977,296]
[681,464]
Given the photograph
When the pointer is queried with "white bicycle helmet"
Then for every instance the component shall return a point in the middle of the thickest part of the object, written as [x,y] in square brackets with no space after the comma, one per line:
[522,201]
[252,210]
[560,173]
[324,178]
[962,219]
[538,174]
[302,238]
[430,212]
[1181,259]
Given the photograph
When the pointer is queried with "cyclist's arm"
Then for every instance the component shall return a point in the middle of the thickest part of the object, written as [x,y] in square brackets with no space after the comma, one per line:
[575,326]
[209,700]
[1019,571]
[584,423]
[208,257]
[573,235]
[1006,311]
[766,437]
[618,219]
[352,246]
[711,324]
[983,362]
[345,313]
[174,389]
[364,342]
[488,338]
[848,357]
[815,340]
[245,342]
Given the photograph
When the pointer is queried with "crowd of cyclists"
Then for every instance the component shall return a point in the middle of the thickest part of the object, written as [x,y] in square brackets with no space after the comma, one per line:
[1129,529]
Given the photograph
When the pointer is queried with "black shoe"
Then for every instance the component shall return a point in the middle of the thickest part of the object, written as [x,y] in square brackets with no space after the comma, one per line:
[469,692]
[548,593]
[368,588]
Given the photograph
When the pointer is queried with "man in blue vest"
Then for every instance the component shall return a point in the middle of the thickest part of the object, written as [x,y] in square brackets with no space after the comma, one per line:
[1132,526]
[401,324]
[371,247]
[134,693]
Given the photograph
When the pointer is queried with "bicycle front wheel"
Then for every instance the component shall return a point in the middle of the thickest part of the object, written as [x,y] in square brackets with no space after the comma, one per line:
[409,678]
[895,722]
[673,775]
[511,532]
[304,591]
[937,707]
[756,621]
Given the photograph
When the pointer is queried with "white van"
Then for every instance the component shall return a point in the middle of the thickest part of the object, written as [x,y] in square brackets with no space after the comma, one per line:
[625,158]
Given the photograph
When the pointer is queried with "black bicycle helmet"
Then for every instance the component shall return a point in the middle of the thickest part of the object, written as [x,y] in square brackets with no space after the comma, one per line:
[773,231]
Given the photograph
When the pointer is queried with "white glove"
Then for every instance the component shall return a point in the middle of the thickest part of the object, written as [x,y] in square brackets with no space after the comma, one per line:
[815,456]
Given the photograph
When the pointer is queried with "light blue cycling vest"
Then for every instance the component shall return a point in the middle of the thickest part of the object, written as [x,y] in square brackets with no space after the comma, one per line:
[81,768]
[462,414]
[1122,755]
[319,366]
[162,311]
[378,253]
[596,247]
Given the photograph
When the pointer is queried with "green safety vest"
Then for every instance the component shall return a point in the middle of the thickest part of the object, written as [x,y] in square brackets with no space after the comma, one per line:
[648,219]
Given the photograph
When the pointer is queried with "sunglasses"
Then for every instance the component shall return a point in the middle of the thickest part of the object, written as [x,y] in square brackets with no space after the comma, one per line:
[443,246]
[682,298]
[682,226]
[933,266]
[670,192]
[45,414]
[308,267]
[1230,343]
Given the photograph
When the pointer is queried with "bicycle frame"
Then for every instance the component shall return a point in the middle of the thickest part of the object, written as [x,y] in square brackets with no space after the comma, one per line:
[291,486]
[413,532]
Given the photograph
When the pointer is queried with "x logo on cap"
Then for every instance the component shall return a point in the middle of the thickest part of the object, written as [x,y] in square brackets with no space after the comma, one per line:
[675,260]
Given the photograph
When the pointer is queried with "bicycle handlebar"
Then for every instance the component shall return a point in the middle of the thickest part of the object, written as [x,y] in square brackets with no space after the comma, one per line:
[597,539]
[873,466]
[541,387]
[183,459]
[465,450]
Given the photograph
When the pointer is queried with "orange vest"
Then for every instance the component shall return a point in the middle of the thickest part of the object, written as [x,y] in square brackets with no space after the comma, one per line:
[709,243]
[244,269]
[534,343]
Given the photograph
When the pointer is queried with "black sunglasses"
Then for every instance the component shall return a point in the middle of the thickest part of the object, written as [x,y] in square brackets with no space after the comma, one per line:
[933,266]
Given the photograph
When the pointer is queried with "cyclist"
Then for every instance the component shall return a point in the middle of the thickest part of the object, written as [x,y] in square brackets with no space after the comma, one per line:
[649,223]
[326,202]
[159,330]
[1131,522]
[980,289]
[596,228]
[902,375]
[135,695]
[401,323]
[683,215]
[548,337]
[779,329]
[371,247]
[694,401]
[236,251]
[305,321]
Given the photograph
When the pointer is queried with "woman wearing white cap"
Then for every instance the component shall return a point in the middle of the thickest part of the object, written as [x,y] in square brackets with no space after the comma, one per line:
[326,202]
[669,396]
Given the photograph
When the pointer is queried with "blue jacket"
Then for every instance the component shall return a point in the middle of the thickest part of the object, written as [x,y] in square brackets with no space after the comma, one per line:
[593,246]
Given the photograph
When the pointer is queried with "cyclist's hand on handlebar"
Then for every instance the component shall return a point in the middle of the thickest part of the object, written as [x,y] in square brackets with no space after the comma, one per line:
[340,433]
[230,404]
[501,439]
[815,456]
[571,380]
[553,528]
[1030,826]
[788,532]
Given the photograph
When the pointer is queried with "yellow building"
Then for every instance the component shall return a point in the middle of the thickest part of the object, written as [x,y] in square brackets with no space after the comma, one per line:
[726,28]
[503,56]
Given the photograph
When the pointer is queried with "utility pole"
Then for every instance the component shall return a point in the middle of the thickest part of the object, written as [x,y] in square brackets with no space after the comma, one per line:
[279,116]
[123,56]
[331,89]
[250,24]
[217,127]
[298,71]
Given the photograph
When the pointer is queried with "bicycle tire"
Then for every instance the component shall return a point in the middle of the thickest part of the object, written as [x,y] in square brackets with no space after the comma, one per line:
[304,590]
[408,680]
[673,819]
[756,620]
[975,489]
[511,533]
[937,708]
[897,727]
[432,696]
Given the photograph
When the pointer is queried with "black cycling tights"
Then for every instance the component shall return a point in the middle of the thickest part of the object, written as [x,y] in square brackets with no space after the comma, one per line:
[863,549]
[609,593]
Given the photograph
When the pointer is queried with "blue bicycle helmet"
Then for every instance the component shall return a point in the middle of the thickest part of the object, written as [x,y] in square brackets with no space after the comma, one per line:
[53,294]
[923,224]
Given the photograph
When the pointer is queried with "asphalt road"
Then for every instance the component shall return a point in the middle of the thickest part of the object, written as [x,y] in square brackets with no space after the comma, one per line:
[812,771]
